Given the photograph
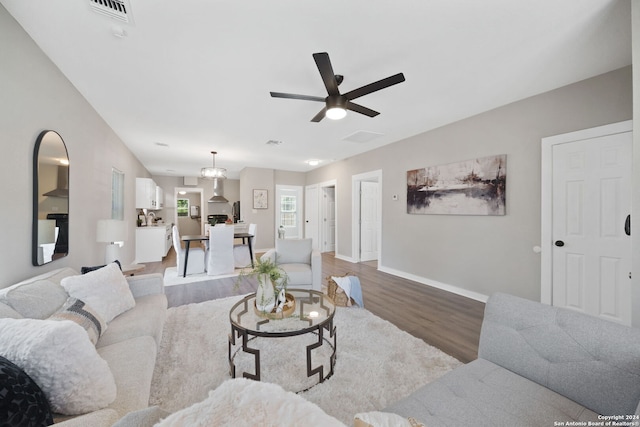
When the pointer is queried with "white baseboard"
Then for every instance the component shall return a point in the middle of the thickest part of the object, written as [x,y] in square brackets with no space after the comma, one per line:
[345,258]
[434,283]
[424,281]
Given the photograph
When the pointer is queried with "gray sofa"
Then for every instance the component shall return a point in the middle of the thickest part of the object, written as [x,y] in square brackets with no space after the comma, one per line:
[129,345]
[536,365]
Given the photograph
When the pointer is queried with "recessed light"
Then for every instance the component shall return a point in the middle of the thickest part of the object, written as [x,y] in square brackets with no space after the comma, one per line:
[313,162]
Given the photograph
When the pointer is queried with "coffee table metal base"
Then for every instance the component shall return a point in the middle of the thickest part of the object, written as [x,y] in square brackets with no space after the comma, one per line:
[321,331]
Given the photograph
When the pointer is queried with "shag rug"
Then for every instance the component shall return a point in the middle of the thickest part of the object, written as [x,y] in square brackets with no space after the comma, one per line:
[376,363]
[201,287]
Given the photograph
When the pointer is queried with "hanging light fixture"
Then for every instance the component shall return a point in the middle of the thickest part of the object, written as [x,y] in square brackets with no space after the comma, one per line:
[213,172]
[217,175]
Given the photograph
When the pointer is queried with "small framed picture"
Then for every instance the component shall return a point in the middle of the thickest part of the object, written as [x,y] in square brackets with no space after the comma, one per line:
[260,199]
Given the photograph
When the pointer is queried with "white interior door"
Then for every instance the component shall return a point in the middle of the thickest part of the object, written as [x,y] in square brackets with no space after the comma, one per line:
[329,219]
[368,221]
[591,252]
[311,215]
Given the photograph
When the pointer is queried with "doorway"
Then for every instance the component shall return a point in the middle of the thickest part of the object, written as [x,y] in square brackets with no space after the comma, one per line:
[367,216]
[289,211]
[189,216]
[586,207]
[320,215]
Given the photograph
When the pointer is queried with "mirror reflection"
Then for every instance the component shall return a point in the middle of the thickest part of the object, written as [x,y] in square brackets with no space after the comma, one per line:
[50,198]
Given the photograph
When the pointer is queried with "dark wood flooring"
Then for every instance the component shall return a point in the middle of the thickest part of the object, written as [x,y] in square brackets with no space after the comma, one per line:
[442,319]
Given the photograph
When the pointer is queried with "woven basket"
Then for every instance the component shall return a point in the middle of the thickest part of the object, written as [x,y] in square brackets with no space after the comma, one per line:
[336,293]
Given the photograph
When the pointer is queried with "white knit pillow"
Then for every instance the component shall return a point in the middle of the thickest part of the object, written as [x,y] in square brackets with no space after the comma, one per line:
[106,290]
[242,402]
[62,361]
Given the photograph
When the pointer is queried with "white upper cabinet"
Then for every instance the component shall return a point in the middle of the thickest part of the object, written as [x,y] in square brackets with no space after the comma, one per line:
[146,194]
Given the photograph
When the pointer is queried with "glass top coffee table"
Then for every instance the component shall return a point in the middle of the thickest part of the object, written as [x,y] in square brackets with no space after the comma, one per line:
[279,350]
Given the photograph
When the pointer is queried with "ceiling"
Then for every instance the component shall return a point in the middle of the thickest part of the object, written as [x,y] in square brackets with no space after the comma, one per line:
[187,77]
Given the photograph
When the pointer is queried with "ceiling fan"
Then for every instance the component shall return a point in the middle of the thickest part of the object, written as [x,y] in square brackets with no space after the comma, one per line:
[336,103]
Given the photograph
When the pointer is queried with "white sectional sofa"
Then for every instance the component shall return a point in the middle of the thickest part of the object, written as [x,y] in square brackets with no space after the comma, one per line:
[129,343]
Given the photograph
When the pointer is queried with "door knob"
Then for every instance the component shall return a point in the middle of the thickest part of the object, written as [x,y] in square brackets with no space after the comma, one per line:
[559,243]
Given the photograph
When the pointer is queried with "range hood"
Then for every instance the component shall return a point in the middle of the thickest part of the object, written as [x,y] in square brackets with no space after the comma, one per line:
[62,185]
[218,191]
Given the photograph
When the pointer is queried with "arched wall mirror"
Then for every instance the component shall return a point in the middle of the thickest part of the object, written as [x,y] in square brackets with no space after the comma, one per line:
[50,199]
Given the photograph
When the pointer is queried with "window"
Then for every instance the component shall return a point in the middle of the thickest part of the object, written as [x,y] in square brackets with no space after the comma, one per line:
[288,211]
[182,207]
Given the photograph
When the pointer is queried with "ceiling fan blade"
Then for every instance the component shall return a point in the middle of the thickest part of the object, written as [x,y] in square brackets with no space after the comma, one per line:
[326,71]
[360,109]
[294,96]
[320,115]
[375,86]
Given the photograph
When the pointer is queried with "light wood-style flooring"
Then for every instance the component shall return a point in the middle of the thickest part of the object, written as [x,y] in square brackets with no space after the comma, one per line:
[444,320]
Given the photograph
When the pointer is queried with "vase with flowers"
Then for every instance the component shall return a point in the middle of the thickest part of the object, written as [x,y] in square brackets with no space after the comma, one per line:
[272,299]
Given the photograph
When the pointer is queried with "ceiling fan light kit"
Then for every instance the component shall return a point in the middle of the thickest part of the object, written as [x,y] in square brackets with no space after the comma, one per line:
[337,104]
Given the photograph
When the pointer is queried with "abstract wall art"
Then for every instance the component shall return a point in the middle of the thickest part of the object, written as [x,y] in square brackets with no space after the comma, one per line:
[472,187]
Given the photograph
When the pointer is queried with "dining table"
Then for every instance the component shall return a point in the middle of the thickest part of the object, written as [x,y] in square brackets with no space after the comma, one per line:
[188,238]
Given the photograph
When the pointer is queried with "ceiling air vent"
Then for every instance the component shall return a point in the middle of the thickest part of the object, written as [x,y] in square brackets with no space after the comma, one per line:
[116,9]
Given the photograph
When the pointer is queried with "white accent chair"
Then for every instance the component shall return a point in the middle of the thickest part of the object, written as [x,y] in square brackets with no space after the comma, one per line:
[241,255]
[220,253]
[196,262]
[300,261]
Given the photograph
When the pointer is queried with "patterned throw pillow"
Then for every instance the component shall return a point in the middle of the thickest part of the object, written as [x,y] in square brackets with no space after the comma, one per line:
[77,311]
[22,402]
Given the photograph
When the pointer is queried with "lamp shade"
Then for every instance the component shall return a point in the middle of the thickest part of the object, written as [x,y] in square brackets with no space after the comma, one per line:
[111,230]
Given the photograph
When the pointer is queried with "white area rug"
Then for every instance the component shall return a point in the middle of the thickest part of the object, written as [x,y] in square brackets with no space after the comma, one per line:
[377,364]
[172,278]
[200,287]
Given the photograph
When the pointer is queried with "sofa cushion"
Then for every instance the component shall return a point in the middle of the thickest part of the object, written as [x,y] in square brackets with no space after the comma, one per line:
[61,360]
[299,274]
[132,363]
[7,311]
[77,311]
[384,419]
[147,417]
[145,319]
[22,402]
[590,360]
[106,290]
[292,251]
[38,299]
[484,394]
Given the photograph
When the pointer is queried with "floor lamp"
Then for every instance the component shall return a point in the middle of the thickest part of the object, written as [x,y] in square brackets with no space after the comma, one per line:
[111,231]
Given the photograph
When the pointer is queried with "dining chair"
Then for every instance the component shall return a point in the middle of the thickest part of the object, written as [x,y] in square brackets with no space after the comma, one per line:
[220,253]
[241,253]
[196,263]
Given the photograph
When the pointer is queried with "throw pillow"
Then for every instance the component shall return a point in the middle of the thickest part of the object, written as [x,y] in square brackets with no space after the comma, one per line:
[61,360]
[384,419]
[22,402]
[36,299]
[243,402]
[106,290]
[77,311]
[85,270]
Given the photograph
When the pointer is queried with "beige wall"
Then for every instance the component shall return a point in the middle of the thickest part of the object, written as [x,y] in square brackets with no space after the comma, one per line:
[36,96]
[476,254]
[479,254]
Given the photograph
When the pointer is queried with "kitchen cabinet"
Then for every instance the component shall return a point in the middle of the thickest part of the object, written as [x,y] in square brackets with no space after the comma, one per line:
[146,194]
[153,243]
[159,197]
